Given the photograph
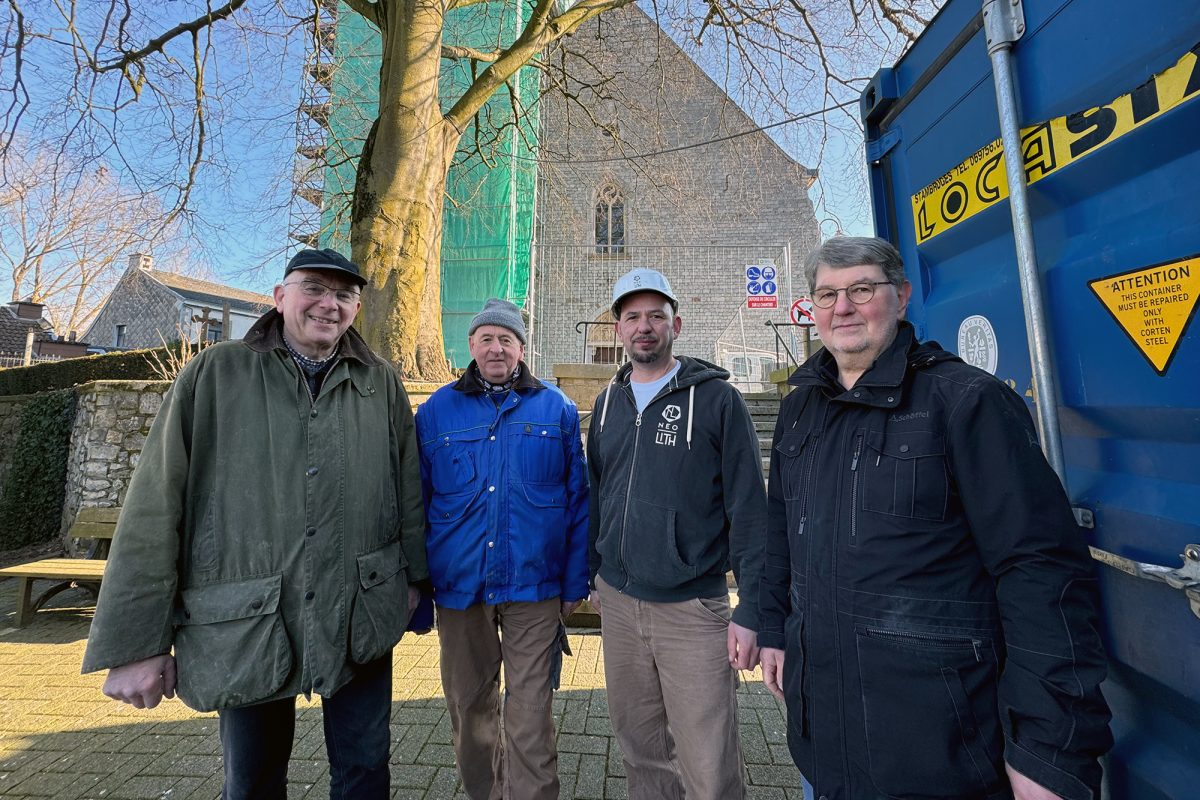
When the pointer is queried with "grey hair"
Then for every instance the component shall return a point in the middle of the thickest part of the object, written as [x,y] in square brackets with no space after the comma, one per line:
[851,251]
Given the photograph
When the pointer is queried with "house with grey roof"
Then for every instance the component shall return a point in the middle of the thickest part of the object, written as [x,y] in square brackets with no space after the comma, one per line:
[149,307]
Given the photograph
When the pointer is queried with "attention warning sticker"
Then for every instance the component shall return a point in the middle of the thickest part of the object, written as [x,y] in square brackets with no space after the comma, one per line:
[980,181]
[1153,305]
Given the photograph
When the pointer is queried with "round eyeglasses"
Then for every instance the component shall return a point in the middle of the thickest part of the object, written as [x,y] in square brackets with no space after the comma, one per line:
[315,290]
[859,293]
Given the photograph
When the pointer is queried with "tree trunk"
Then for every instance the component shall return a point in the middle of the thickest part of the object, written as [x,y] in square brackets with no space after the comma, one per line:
[396,219]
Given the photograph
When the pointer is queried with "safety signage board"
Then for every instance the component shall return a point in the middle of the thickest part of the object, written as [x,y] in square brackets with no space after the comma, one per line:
[1153,305]
[801,311]
[762,288]
[980,181]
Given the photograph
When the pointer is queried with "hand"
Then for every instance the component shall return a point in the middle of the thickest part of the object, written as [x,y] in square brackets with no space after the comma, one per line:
[1025,789]
[742,645]
[569,608]
[414,600]
[594,600]
[772,669]
[142,684]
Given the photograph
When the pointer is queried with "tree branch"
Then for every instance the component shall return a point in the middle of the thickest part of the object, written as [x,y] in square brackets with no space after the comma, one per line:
[157,45]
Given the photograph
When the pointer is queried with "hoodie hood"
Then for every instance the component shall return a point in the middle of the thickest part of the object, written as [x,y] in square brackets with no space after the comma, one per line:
[692,372]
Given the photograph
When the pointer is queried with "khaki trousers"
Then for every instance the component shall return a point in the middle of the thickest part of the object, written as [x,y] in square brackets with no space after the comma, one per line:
[672,696]
[519,762]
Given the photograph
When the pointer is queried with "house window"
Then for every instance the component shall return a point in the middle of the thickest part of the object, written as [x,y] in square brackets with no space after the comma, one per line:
[119,339]
[610,220]
[214,332]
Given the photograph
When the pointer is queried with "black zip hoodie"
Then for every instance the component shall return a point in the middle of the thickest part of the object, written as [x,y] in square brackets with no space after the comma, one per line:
[677,491]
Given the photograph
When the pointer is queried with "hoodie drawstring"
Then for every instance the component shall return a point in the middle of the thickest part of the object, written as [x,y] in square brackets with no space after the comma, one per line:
[607,395]
[691,405]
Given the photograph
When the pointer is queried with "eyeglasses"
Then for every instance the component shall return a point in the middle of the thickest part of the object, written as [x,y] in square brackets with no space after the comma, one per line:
[315,290]
[859,293]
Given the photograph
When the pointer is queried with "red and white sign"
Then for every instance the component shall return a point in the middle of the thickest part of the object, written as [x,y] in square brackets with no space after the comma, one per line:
[762,301]
[801,311]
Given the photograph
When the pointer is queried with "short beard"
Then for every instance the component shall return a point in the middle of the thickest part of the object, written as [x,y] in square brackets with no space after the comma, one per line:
[646,358]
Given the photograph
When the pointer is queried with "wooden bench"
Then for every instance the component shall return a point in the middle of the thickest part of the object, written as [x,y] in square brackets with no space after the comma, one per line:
[95,524]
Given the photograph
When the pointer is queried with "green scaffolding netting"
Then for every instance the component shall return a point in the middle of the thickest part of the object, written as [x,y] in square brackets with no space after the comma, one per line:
[488,218]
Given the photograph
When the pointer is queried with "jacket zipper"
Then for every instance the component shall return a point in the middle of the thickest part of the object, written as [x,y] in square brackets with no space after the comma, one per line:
[637,424]
[858,443]
[929,638]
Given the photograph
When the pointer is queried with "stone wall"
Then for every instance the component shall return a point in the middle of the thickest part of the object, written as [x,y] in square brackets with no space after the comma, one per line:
[111,422]
[583,382]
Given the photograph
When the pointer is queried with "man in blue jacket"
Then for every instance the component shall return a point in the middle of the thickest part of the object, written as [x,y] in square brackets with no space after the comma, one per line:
[506,497]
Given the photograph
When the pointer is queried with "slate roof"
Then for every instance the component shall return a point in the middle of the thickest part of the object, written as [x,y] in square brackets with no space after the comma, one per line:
[194,290]
[13,329]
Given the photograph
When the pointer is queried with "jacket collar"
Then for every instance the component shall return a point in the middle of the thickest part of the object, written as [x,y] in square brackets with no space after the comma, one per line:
[525,382]
[267,334]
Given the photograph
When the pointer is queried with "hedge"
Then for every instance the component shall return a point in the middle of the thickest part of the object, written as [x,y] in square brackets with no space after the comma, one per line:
[128,365]
[31,506]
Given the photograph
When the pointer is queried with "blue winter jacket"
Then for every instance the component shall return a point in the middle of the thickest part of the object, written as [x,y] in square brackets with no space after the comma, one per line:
[506,494]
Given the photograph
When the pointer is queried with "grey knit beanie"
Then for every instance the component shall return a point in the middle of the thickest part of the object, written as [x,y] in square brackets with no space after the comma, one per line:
[502,313]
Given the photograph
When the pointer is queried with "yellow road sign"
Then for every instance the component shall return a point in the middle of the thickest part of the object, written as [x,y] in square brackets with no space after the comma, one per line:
[980,181]
[1153,305]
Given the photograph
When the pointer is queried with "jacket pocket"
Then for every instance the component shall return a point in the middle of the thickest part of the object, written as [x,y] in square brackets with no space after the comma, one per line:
[929,712]
[788,452]
[231,646]
[380,609]
[453,457]
[650,547]
[536,452]
[538,532]
[905,475]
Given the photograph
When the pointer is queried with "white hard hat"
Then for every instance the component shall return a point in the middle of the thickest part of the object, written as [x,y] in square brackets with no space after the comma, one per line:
[642,279]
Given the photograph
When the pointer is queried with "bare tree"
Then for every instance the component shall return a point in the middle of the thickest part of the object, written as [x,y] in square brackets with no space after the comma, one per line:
[778,57]
[65,232]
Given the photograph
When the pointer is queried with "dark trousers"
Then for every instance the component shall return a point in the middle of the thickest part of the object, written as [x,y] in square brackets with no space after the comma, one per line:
[256,741]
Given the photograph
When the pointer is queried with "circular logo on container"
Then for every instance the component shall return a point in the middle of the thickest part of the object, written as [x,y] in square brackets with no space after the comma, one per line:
[977,343]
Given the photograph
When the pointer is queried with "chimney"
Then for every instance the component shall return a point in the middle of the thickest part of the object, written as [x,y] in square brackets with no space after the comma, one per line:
[27,309]
[70,336]
[141,261]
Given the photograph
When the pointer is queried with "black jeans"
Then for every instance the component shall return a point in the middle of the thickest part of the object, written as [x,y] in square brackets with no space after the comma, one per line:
[256,741]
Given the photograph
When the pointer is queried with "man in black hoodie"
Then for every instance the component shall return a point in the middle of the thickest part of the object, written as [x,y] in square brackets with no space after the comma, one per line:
[676,498]
[928,603]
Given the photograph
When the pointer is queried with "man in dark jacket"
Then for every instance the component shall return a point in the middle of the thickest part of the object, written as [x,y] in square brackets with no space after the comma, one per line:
[269,541]
[928,603]
[506,498]
[677,495]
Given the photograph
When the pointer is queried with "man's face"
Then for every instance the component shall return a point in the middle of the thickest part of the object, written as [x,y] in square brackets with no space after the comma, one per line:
[314,318]
[863,331]
[496,350]
[648,327]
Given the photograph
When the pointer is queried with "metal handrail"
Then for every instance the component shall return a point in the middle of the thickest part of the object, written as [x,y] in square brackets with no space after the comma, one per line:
[583,327]
[780,342]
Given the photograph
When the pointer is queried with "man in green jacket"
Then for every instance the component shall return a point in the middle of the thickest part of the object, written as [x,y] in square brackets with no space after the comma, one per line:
[270,538]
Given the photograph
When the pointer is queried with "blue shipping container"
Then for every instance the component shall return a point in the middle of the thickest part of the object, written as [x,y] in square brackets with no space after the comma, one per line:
[1108,102]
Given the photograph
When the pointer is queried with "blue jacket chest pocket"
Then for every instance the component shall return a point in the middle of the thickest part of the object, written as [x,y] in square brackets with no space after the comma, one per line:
[456,458]
[536,452]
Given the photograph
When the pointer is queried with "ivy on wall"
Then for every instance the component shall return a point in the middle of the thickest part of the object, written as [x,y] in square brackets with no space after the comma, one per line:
[31,506]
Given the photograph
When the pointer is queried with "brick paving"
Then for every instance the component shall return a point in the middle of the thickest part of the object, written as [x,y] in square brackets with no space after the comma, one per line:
[61,738]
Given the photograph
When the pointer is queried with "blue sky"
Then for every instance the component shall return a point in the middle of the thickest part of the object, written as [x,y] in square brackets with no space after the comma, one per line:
[239,233]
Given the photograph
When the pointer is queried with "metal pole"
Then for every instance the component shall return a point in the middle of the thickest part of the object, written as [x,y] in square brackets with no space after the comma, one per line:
[1004,24]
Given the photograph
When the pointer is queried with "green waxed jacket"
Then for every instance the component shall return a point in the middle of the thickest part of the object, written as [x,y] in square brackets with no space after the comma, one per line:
[268,538]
